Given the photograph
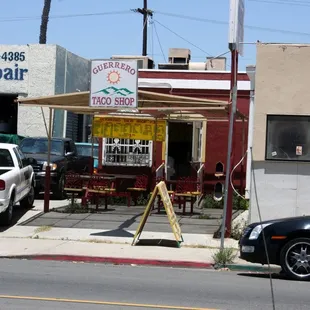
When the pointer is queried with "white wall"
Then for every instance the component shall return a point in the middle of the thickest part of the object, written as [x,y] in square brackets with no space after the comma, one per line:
[41,82]
[281,189]
[281,88]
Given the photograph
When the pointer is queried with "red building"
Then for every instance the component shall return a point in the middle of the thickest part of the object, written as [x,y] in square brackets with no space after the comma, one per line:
[214,133]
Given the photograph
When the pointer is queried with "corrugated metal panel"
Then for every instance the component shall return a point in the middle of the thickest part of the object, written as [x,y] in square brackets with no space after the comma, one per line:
[72,126]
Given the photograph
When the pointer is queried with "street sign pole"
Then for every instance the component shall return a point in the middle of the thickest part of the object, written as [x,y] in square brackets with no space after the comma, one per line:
[236,36]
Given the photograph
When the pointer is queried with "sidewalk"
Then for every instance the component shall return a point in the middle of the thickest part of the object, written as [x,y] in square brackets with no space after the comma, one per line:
[100,246]
[123,254]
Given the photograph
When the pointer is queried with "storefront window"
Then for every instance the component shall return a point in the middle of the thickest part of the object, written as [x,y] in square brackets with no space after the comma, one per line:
[288,138]
[127,152]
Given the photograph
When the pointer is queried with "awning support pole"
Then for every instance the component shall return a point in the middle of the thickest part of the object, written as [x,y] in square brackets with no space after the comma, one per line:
[48,168]
[100,153]
[44,120]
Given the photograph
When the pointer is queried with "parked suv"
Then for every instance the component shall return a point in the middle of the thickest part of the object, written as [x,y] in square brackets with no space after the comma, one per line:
[64,158]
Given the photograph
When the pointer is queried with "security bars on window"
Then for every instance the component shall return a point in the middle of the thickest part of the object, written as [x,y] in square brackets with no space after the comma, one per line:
[127,152]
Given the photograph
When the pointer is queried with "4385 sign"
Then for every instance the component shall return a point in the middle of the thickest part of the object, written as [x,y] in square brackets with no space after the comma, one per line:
[13,63]
[13,56]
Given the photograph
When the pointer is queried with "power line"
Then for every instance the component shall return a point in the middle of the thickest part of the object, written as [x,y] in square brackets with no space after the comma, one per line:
[219,22]
[179,36]
[212,21]
[161,48]
[29,18]
[152,40]
[156,21]
[194,45]
[285,2]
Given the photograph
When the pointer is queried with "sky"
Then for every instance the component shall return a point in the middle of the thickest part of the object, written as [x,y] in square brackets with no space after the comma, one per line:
[102,28]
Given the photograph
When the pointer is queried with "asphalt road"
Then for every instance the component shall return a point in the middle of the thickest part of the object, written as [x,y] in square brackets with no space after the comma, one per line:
[64,285]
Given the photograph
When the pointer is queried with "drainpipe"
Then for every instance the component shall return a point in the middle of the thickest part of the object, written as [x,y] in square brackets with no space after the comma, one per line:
[251,73]
[65,112]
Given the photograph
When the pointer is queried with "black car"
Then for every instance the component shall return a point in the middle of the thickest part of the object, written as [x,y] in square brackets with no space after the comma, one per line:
[64,157]
[288,244]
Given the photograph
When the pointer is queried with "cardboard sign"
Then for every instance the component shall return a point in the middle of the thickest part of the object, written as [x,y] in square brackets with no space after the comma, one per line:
[129,128]
[163,192]
[161,189]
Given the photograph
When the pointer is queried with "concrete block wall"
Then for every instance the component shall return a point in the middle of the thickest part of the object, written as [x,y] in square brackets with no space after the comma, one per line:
[72,75]
[40,70]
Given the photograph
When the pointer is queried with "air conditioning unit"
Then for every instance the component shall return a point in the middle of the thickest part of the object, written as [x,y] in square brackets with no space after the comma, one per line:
[179,55]
[144,62]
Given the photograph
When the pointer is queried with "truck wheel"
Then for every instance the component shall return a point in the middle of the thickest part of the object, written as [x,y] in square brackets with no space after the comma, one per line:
[295,260]
[7,215]
[60,193]
[28,201]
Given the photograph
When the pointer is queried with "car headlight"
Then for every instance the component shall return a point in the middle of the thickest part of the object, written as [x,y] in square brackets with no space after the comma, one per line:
[257,230]
[53,166]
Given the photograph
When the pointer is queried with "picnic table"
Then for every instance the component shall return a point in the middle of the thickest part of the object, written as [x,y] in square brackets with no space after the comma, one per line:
[95,186]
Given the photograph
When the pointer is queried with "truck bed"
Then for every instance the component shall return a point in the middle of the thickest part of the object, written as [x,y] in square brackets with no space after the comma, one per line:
[3,171]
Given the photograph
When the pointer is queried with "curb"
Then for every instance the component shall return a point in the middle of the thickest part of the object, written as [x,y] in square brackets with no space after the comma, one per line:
[25,222]
[115,261]
[251,268]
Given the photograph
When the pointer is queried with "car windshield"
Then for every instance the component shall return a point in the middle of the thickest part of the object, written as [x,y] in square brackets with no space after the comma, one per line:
[40,146]
[85,150]
[6,158]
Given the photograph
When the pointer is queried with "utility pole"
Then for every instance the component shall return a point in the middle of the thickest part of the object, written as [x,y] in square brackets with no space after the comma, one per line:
[236,35]
[146,13]
[228,194]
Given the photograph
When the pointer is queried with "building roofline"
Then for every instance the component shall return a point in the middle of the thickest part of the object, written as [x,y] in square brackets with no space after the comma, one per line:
[189,71]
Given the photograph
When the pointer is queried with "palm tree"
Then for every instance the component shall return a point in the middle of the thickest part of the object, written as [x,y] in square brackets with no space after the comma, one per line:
[44,21]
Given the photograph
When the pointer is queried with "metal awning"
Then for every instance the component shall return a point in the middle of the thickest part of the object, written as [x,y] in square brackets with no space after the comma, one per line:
[150,104]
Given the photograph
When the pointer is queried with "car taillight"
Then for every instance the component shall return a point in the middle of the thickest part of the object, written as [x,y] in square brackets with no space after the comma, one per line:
[2,185]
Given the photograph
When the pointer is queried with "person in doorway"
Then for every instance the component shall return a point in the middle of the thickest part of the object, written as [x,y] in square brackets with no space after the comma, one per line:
[170,168]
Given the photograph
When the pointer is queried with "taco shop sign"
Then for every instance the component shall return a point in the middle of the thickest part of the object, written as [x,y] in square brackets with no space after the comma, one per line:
[114,83]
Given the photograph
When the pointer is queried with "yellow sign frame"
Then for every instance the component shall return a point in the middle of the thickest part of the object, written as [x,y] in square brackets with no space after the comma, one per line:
[129,128]
[161,189]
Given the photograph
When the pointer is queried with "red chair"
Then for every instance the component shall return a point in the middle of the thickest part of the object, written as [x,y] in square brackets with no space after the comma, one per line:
[140,186]
[73,184]
[98,187]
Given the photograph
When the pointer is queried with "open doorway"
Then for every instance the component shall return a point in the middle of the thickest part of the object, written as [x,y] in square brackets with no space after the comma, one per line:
[179,149]
[8,115]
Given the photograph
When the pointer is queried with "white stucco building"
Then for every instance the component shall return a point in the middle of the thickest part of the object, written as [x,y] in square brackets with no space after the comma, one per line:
[281,132]
[39,70]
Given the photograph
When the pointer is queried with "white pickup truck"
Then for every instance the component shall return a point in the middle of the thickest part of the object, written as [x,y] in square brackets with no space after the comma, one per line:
[16,181]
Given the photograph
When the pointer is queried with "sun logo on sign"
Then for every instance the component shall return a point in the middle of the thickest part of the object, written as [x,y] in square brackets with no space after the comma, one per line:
[114,77]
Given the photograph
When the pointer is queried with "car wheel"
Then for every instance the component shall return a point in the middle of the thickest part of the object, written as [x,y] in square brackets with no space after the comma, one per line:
[60,193]
[28,201]
[7,215]
[295,259]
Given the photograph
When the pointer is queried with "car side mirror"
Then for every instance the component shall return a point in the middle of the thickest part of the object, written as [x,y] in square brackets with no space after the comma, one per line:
[30,161]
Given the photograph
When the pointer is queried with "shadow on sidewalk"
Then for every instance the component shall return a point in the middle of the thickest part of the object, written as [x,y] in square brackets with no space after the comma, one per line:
[158,242]
[120,231]
[18,213]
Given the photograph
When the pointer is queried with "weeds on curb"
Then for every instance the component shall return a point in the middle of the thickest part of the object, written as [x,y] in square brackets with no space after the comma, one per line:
[42,229]
[223,257]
